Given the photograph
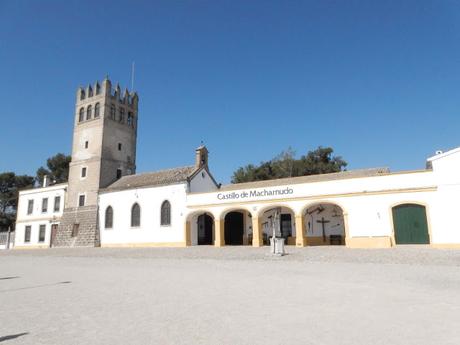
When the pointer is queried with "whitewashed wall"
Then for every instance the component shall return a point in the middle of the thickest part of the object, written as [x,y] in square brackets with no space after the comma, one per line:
[38,217]
[202,182]
[366,202]
[150,230]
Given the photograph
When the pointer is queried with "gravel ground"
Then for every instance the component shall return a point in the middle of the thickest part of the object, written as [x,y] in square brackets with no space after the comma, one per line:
[231,295]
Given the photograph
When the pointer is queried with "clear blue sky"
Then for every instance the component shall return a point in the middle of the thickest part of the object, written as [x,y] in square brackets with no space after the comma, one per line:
[376,80]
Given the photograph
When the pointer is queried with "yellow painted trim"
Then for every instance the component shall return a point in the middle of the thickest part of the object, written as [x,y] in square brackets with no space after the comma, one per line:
[219,233]
[38,246]
[317,198]
[140,245]
[445,245]
[188,234]
[256,232]
[369,242]
[300,230]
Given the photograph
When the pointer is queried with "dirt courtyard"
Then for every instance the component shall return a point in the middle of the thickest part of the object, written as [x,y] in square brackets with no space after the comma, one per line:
[230,295]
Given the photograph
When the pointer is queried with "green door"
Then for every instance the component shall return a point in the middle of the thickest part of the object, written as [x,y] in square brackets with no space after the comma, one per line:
[410,224]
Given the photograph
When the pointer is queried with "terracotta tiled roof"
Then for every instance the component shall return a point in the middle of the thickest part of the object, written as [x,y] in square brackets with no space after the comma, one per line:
[153,179]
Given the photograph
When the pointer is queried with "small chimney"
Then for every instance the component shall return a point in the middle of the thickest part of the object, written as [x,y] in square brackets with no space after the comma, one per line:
[201,156]
[45,181]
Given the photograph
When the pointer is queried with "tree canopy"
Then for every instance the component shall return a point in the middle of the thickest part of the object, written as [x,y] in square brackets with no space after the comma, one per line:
[319,161]
[57,169]
[10,184]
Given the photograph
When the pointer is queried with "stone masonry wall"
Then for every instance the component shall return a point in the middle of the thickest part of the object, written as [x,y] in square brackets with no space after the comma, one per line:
[88,230]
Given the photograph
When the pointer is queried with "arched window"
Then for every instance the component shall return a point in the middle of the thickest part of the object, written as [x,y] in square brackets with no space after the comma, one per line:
[130,119]
[97,110]
[98,89]
[122,115]
[81,116]
[90,92]
[166,213]
[89,110]
[82,95]
[109,217]
[112,112]
[135,215]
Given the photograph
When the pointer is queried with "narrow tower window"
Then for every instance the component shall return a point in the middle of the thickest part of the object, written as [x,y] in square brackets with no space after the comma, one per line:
[130,119]
[82,95]
[119,146]
[98,89]
[119,173]
[81,116]
[112,112]
[89,110]
[121,117]
[86,144]
[83,172]
[81,200]
[97,110]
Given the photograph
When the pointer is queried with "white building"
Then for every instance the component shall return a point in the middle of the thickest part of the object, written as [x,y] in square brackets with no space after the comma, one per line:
[107,204]
[38,215]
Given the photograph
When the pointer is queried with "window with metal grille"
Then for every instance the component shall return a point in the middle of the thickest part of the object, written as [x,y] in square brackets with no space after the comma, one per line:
[44,205]
[81,200]
[57,203]
[30,207]
[27,232]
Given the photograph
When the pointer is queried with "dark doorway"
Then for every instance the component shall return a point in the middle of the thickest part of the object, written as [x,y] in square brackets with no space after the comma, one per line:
[286,226]
[410,224]
[54,228]
[234,228]
[205,223]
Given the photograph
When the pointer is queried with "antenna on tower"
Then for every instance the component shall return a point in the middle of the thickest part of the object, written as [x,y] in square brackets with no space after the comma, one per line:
[132,76]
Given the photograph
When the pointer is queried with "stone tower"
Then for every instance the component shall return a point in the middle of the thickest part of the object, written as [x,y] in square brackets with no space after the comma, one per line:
[103,150]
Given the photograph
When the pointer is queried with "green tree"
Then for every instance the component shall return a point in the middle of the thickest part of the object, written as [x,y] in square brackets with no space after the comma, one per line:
[319,161]
[57,169]
[10,184]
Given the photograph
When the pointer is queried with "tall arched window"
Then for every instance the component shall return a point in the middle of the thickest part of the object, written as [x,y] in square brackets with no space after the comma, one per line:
[89,110]
[109,217]
[121,118]
[81,116]
[112,112]
[166,213]
[135,215]
[97,110]
[130,119]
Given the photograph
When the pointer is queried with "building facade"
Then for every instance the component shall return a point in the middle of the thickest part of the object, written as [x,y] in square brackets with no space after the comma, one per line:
[107,204]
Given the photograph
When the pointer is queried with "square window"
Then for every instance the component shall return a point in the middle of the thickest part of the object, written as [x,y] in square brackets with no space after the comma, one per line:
[81,200]
[83,172]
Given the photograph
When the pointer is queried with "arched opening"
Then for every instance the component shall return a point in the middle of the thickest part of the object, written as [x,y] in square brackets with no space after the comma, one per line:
[237,228]
[109,217]
[165,213]
[200,229]
[278,219]
[410,224]
[324,224]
